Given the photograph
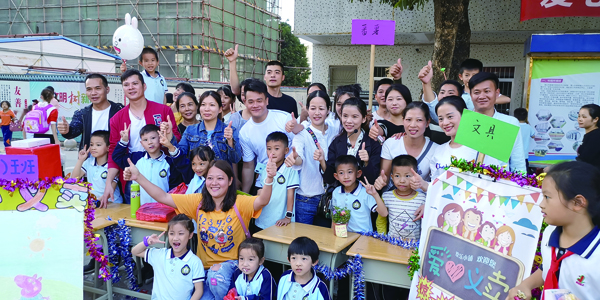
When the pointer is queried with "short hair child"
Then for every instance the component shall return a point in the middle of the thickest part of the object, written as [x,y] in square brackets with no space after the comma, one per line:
[278,212]
[404,203]
[303,255]
[153,163]
[360,198]
[95,166]
[188,281]
[571,205]
[251,278]
[521,114]
[156,85]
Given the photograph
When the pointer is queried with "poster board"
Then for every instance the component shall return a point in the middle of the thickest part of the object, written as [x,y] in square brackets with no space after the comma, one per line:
[44,257]
[558,87]
[492,253]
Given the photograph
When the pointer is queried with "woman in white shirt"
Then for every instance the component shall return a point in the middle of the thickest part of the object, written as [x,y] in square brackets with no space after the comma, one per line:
[308,155]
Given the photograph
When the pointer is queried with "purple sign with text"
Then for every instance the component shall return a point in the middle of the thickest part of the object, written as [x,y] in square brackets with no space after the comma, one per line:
[373,32]
[19,167]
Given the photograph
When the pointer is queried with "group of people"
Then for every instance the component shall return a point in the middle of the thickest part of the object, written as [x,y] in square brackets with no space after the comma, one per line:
[376,164]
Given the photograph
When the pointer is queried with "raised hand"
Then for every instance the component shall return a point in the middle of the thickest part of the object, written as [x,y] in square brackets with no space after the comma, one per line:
[131,172]
[167,127]
[363,154]
[154,239]
[291,124]
[125,133]
[228,132]
[232,53]
[415,180]
[426,73]
[375,131]
[319,154]
[123,66]
[271,167]
[232,108]
[291,159]
[83,153]
[63,126]
[370,188]
[164,140]
[381,181]
[396,70]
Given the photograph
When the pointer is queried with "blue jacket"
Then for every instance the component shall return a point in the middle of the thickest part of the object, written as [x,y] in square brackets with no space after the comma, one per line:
[261,287]
[315,289]
[81,123]
[197,135]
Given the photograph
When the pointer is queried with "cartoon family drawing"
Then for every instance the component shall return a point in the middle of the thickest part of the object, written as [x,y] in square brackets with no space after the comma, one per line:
[469,224]
[30,287]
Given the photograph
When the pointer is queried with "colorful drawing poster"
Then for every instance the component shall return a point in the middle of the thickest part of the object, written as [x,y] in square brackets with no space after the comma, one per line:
[478,237]
[42,257]
[558,89]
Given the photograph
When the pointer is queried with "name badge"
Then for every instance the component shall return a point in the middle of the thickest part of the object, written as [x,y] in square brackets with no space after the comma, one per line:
[259,167]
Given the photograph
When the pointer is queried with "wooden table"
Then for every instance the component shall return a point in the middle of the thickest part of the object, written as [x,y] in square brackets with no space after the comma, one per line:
[332,248]
[383,262]
[139,229]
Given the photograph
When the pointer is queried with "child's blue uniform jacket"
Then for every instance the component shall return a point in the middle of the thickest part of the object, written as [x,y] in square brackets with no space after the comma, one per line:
[261,287]
[289,289]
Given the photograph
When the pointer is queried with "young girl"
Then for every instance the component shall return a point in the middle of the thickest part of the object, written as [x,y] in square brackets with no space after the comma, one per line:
[570,245]
[309,155]
[202,157]
[7,116]
[252,280]
[178,273]
[486,234]
[228,102]
[51,116]
[354,141]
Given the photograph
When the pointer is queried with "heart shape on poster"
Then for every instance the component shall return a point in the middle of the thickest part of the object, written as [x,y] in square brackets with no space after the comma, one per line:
[454,271]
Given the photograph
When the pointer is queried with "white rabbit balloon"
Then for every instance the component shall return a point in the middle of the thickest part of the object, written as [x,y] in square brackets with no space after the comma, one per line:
[128,41]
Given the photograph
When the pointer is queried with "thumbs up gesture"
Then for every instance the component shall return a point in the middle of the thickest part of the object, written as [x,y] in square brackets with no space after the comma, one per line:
[381,181]
[396,69]
[416,182]
[125,133]
[291,124]
[167,128]
[131,172]
[363,155]
[375,131]
[271,167]
[319,154]
[291,159]
[63,126]
[232,53]
[228,134]
[426,73]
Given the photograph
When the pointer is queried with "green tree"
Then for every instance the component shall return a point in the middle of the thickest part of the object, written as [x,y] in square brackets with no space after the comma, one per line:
[293,57]
[452,43]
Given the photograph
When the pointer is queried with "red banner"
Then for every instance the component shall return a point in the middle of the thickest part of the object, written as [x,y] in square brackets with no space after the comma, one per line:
[534,9]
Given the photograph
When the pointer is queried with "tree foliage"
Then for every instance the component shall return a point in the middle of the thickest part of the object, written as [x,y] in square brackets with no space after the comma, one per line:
[293,54]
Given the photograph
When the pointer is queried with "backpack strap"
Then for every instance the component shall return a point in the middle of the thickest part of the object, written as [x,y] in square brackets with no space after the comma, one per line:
[237,212]
[312,134]
[425,152]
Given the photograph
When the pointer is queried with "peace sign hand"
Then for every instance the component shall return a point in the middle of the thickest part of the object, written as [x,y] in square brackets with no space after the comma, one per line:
[125,133]
[154,239]
[83,153]
[364,155]
[370,188]
[164,140]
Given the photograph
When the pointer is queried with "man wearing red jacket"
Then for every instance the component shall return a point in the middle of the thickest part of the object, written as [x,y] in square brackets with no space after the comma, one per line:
[134,116]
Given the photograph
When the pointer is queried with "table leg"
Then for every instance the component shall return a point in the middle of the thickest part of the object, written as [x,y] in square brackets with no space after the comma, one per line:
[108,293]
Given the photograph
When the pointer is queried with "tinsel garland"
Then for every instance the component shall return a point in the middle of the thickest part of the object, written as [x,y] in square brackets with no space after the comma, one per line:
[392,240]
[495,172]
[90,239]
[121,232]
[354,266]
[12,185]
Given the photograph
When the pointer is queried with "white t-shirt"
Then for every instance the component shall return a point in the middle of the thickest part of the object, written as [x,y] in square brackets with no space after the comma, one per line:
[253,136]
[401,215]
[377,117]
[443,153]
[333,124]
[393,147]
[527,134]
[135,142]
[311,181]
[100,119]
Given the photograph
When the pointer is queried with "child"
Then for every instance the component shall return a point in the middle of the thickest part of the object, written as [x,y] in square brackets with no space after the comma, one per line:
[302,282]
[252,281]
[360,200]
[178,273]
[95,167]
[7,116]
[153,163]
[156,86]
[202,157]
[403,203]
[527,132]
[278,212]
[570,252]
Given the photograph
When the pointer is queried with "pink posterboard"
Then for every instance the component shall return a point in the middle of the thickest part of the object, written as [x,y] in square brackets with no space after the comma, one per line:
[19,166]
[373,32]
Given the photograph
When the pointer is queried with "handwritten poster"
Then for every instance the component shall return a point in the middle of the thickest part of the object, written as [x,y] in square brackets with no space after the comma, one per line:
[19,166]
[373,32]
[478,237]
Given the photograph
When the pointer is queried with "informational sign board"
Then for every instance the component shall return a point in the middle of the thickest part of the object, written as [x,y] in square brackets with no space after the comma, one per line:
[19,166]
[373,32]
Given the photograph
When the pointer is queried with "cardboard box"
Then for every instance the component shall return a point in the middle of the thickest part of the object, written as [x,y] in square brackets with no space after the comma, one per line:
[48,158]
[28,143]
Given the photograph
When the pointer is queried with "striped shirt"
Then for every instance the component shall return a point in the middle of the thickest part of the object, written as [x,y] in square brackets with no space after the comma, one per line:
[401,212]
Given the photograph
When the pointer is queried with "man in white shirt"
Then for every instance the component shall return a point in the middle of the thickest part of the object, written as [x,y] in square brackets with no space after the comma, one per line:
[484,90]
[253,136]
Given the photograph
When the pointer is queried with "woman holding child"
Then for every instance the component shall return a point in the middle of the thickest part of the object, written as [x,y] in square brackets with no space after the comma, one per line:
[222,217]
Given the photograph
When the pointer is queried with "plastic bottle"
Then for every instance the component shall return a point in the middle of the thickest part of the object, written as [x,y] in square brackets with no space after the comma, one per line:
[135,199]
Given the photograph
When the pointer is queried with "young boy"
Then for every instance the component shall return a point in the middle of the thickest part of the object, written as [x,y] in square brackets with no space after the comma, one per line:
[156,86]
[404,203]
[361,199]
[301,282]
[280,209]
[95,167]
[153,163]
[527,132]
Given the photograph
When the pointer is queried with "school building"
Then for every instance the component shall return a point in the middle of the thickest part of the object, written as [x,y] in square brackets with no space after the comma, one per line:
[497,39]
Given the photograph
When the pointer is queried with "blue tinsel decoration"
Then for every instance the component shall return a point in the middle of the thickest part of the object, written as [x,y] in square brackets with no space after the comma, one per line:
[392,240]
[113,252]
[121,233]
[352,266]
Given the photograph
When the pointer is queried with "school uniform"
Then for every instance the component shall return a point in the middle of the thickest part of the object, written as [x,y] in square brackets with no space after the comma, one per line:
[174,277]
[577,265]
[289,289]
[261,287]
[286,178]
[96,175]
[196,184]
[339,146]
[360,204]
[156,87]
